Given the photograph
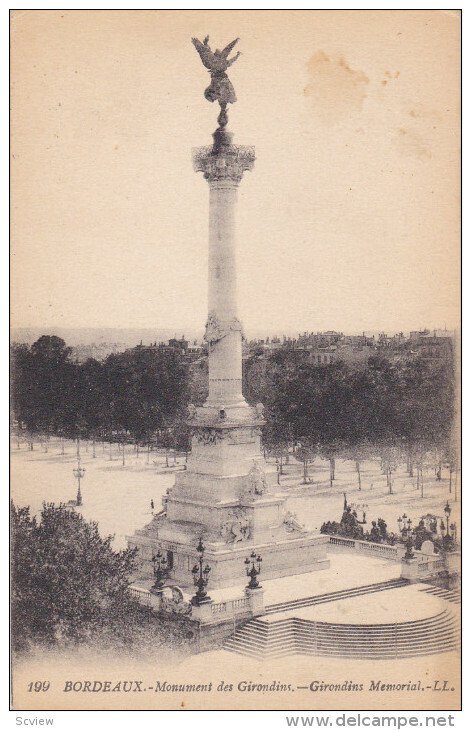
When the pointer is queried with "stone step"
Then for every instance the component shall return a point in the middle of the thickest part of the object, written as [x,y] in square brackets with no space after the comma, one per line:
[411,631]
[366,629]
[454,596]
[389,628]
[392,652]
[300,636]
[335,595]
[338,640]
[366,640]
[332,638]
[372,642]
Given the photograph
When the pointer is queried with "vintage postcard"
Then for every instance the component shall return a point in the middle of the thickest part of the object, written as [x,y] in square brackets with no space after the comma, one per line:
[235,338]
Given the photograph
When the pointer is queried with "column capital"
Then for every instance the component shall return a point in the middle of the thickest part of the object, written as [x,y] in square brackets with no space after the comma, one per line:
[226,166]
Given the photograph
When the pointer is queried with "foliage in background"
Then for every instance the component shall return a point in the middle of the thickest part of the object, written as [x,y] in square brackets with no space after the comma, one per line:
[133,394]
[397,409]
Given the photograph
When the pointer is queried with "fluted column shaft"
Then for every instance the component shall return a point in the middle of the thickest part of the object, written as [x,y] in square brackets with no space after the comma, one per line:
[225,355]
[223,169]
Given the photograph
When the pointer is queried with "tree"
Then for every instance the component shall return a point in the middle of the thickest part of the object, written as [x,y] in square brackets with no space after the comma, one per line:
[425,413]
[67,582]
[148,388]
[42,377]
[305,452]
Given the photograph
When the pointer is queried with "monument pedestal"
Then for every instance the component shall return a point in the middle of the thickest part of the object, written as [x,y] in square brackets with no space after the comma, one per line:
[227,496]
[292,556]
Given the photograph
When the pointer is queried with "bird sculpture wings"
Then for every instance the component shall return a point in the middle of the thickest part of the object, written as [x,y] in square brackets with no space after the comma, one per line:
[217,61]
[225,52]
[206,54]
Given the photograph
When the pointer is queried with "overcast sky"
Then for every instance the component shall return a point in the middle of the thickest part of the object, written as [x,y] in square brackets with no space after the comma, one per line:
[349,220]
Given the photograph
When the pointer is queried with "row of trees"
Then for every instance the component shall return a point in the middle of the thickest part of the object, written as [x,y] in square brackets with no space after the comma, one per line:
[400,410]
[139,394]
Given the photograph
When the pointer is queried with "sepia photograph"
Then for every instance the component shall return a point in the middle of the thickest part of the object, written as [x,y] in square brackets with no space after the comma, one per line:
[235,352]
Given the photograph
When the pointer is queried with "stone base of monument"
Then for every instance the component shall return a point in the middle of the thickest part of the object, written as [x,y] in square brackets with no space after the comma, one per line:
[229,499]
[301,553]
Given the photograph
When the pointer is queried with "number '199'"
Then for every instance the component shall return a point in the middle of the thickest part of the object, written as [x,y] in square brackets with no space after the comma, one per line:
[39,686]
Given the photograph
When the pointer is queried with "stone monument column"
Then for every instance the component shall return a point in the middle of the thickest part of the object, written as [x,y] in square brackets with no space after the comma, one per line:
[227,495]
[223,165]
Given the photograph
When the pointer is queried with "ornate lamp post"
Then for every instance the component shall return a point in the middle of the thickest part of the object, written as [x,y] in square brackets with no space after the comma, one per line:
[79,474]
[446,536]
[409,554]
[254,571]
[405,526]
[160,567]
[200,577]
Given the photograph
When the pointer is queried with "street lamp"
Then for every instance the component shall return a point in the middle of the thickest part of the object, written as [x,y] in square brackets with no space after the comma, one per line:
[405,526]
[447,538]
[402,523]
[200,577]
[160,568]
[79,474]
[252,572]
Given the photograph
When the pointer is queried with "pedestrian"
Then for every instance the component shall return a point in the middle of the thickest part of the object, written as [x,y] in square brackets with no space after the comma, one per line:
[152,504]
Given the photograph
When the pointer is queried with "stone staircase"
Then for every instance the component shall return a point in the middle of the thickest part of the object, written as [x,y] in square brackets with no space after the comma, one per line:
[335,595]
[453,596]
[262,639]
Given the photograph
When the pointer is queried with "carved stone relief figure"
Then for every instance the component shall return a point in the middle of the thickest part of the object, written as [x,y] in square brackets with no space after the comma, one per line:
[292,524]
[237,528]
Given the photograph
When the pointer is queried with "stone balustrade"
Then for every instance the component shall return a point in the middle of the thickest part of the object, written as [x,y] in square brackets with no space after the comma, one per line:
[247,606]
[432,566]
[389,552]
[145,597]
[342,542]
[236,605]
[422,566]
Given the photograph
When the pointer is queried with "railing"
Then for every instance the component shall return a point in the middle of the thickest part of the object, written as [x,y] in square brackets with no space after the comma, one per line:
[343,541]
[237,605]
[142,594]
[390,552]
[431,566]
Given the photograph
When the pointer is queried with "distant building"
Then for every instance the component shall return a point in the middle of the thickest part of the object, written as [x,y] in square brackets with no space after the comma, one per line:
[322,357]
[180,344]
[96,351]
[396,340]
[419,334]
[357,354]
[358,340]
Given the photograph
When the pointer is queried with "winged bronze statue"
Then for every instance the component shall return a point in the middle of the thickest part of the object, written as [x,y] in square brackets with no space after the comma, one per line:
[217,63]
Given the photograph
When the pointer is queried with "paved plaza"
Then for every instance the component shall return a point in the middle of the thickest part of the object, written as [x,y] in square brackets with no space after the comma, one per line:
[118,497]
